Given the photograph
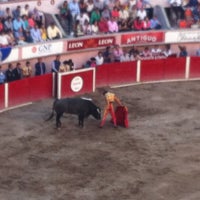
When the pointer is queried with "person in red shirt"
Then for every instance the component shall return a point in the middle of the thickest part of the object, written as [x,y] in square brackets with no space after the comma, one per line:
[137,24]
[103,25]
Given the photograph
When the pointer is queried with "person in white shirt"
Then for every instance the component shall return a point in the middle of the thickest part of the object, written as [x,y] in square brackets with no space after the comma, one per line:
[95,28]
[141,13]
[82,17]
[99,58]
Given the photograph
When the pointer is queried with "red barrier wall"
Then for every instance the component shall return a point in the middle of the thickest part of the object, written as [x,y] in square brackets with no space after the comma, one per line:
[41,87]
[194,67]
[116,73]
[30,89]
[76,83]
[163,69]
[19,92]
[2,97]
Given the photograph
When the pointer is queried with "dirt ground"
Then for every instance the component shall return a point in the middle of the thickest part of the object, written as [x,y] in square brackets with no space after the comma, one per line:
[156,158]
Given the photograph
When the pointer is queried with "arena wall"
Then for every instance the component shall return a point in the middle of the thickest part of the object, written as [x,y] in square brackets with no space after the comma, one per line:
[85,81]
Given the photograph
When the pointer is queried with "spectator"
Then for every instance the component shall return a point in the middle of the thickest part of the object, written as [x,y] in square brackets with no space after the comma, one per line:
[141,13]
[167,51]
[28,38]
[90,7]
[133,13]
[3,40]
[146,3]
[83,6]
[43,31]
[106,14]
[65,67]
[117,53]
[18,29]
[137,24]
[8,24]
[17,12]
[146,24]
[55,65]
[11,39]
[131,3]
[115,13]
[27,70]
[99,4]
[95,28]
[31,21]
[1,25]
[66,17]
[156,51]
[198,52]
[125,57]
[99,58]
[38,17]
[40,67]
[53,32]
[10,76]
[8,13]
[113,26]
[87,28]
[82,17]
[155,23]
[123,14]
[146,53]
[26,26]
[103,25]
[177,8]
[183,51]
[18,71]
[95,16]
[25,10]
[36,34]
[78,30]
[2,76]
[107,55]
[93,62]
[74,8]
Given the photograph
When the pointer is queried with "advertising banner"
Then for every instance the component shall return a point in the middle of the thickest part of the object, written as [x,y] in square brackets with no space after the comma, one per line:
[182,36]
[90,43]
[9,54]
[142,37]
[42,49]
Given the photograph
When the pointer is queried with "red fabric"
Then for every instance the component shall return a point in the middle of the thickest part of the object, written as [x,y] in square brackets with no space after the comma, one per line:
[121,113]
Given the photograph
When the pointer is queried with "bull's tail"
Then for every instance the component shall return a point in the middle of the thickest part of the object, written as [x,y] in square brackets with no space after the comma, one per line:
[53,111]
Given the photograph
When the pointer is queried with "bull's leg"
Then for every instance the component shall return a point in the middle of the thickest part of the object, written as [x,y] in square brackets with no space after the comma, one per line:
[58,122]
[81,120]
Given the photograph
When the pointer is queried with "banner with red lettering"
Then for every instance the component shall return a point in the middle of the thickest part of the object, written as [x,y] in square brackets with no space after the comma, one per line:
[90,43]
[142,37]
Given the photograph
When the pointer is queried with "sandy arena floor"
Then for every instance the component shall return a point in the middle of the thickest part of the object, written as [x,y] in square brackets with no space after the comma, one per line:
[157,158]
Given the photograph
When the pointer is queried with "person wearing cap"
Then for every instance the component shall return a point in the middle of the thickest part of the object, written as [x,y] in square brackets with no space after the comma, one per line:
[109,108]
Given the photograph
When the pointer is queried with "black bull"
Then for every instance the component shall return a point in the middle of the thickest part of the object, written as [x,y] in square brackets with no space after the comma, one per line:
[78,106]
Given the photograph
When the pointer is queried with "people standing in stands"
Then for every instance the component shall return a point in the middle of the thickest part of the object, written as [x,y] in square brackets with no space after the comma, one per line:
[40,67]
[55,65]
[8,13]
[16,12]
[27,70]
[2,76]
[36,34]
[183,51]
[66,17]
[25,10]
[10,76]
[167,51]
[18,71]
[117,53]
[53,32]
[99,58]
[107,55]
